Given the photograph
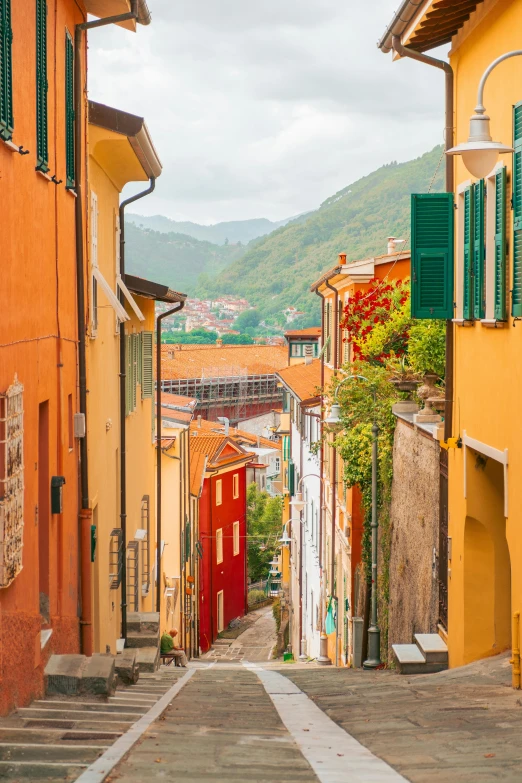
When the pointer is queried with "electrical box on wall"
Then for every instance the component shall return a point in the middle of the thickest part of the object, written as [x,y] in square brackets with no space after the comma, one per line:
[79,425]
[57,483]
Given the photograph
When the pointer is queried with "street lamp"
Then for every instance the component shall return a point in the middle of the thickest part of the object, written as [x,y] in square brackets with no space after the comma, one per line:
[374,635]
[480,152]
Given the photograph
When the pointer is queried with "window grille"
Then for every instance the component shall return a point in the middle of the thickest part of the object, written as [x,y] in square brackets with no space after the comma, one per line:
[145,545]
[115,558]
[11,482]
[133,575]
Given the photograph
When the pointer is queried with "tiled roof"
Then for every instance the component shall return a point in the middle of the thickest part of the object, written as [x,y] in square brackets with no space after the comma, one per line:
[177,401]
[214,361]
[312,331]
[197,472]
[240,436]
[183,417]
[303,379]
[212,447]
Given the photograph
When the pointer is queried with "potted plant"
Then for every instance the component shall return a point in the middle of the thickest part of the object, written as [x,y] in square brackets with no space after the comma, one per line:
[405,379]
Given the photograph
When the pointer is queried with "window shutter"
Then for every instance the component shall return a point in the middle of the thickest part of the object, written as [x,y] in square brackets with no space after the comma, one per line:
[128,375]
[187,540]
[467,287]
[135,338]
[69,112]
[291,478]
[478,250]
[6,71]
[516,294]
[500,244]
[94,263]
[41,87]
[147,378]
[432,255]
[328,332]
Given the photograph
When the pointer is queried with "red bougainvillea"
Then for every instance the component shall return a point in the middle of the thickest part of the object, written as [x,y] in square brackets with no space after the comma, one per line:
[377,321]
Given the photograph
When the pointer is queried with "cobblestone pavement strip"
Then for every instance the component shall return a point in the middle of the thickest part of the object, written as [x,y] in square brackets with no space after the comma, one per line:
[221,727]
[462,725]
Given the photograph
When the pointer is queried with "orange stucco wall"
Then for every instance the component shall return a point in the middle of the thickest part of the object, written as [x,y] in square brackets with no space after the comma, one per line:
[38,343]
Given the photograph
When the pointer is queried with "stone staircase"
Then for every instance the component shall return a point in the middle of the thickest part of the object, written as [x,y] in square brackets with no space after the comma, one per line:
[429,654]
[143,635]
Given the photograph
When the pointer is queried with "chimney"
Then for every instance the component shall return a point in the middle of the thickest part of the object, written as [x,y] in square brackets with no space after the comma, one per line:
[342,259]
[170,354]
[219,342]
[199,421]
[392,245]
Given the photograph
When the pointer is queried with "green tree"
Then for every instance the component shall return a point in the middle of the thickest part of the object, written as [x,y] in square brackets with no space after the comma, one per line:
[264,526]
[246,319]
[237,339]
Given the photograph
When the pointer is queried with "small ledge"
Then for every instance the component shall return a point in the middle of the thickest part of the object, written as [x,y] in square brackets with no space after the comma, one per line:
[45,635]
[44,174]
[492,323]
[72,192]
[463,322]
[11,145]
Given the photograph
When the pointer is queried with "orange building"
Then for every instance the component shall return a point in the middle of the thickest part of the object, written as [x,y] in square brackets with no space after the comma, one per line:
[42,170]
[343,516]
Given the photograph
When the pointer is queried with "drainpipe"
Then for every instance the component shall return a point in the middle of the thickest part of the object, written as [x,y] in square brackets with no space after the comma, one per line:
[159,321]
[404,51]
[85,514]
[323,659]
[123,433]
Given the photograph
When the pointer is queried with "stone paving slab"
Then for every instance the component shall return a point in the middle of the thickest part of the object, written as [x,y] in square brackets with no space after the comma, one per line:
[462,725]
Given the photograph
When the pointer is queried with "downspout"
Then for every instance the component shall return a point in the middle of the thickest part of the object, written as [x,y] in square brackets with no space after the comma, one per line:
[159,321]
[302,640]
[85,514]
[404,51]
[123,433]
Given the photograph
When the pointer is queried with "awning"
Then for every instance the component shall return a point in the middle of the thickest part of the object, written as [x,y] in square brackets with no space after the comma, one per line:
[129,297]
[111,296]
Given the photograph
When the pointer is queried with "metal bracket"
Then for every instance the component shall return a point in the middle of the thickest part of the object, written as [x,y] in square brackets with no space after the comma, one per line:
[451,443]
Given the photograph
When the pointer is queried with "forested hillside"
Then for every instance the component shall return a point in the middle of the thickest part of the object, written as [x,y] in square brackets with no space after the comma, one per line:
[175,260]
[277,270]
[232,232]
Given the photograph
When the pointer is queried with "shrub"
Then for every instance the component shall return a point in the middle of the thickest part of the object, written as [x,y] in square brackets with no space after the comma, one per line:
[255,597]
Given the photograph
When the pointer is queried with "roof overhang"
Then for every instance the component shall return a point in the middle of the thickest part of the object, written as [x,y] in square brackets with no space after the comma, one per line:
[426,24]
[151,290]
[130,127]
[104,8]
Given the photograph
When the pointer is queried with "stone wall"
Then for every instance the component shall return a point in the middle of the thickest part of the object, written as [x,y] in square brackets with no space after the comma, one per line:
[414,521]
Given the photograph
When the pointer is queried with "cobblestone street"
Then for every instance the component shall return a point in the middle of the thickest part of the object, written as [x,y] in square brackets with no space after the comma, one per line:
[254,644]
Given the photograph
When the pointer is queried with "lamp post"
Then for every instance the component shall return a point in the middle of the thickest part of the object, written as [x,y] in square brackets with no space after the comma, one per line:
[374,634]
[480,152]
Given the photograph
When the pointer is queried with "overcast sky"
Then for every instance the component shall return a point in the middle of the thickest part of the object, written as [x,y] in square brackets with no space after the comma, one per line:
[265,109]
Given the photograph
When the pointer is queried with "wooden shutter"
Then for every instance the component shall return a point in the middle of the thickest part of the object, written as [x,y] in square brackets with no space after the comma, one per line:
[94,263]
[516,294]
[500,244]
[147,377]
[135,338]
[328,332]
[41,87]
[69,112]
[291,478]
[479,305]
[432,255]
[128,375]
[6,71]
[467,283]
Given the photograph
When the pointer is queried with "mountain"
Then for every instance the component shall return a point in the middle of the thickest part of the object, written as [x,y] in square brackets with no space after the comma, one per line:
[234,231]
[277,271]
[175,260]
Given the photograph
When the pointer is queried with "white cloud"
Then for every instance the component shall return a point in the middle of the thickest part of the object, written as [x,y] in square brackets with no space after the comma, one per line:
[265,110]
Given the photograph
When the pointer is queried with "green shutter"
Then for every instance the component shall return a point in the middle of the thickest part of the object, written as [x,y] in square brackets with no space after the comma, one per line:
[500,244]
[291,478]
[6,72]
[128,375]
[432,255]
[187,540]
[479,305]
[41,86]
[467,283]
[69,112]
[147,376]
[516,294]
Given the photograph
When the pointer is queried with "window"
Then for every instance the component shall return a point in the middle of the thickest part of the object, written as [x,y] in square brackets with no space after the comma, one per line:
[516,302]
[295,349]
[496,246]
[235,484]
[6,72]
[94,263]
[220,612]
[236,538]
[219,492]
[42,143]
[432,255]
[286,448]
[277,465]
[286,402]
[147,378]
[219,546]
[131,371]
[69,112]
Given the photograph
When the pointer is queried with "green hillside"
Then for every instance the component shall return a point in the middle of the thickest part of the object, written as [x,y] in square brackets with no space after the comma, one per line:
[175,260]
[233,231]
[277,271]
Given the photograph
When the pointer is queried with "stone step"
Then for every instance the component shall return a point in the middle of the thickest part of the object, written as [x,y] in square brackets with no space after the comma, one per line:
[137,639]
[71,675]
[127,667]
[410,660]
[111,725]
[77,714]
[148,659]
[119,707]
[143,621]
[433,647]
[35,752]
[33,770]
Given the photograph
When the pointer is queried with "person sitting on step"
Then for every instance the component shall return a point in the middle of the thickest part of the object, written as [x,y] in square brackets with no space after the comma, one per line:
[169,652]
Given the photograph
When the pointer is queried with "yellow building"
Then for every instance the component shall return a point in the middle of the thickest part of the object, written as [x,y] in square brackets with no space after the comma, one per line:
[483,255]
[120,421]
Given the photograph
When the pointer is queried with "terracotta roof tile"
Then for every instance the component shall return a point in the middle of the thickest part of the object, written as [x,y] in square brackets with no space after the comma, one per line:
[312,331]
[197,472]
[212,446]
[303,379]
[241,436]
[223,360]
